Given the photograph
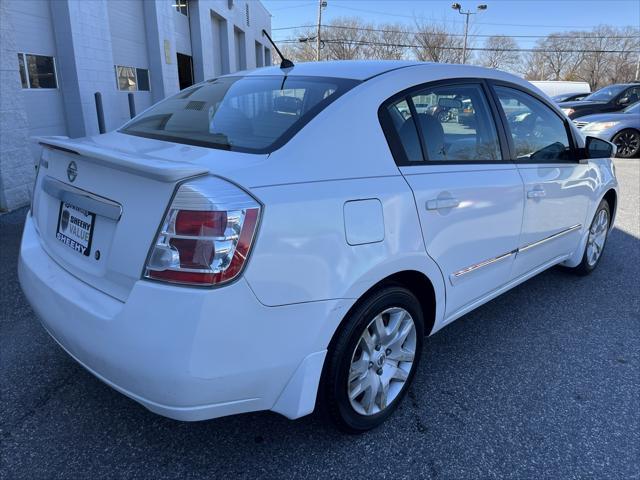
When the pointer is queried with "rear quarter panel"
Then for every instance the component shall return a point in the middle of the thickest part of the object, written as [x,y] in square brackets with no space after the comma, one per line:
[302,254]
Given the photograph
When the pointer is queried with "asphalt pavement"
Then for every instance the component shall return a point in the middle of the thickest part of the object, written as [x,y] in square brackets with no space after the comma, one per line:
[542,382]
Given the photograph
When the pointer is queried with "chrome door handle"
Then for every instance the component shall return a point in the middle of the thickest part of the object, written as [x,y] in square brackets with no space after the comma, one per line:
[537,192]
[442,203]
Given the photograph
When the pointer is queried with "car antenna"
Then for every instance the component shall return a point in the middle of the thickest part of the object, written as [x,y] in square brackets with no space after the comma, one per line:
[285,63]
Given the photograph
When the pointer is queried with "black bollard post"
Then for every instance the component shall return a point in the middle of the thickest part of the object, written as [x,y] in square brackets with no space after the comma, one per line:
[100,112]
[132,105]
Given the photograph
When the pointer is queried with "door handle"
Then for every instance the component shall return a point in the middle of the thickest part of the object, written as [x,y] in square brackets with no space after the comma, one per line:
[537,192]
[442,203]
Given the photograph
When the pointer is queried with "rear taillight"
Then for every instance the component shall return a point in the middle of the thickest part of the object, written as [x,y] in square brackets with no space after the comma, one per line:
[206,235]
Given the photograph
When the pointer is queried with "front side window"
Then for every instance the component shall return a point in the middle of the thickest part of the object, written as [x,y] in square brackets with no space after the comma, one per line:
[630,97]
[448,123]
[537,132]
[37,71]
[132,79]
[251,114]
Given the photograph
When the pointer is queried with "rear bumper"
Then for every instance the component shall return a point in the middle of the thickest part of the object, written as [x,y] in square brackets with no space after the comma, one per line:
[185,353]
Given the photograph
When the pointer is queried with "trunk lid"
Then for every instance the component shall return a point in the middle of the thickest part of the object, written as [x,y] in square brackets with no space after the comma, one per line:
[98,204]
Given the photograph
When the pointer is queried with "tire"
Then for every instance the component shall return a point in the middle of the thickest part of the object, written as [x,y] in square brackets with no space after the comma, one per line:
[443,116]
[597,231]
[628,143]
[358,364]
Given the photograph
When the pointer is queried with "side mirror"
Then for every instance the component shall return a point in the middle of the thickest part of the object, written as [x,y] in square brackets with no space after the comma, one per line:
[624,101]
[598,148]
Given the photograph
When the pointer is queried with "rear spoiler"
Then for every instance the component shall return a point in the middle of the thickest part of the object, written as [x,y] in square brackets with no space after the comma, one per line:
[144,165]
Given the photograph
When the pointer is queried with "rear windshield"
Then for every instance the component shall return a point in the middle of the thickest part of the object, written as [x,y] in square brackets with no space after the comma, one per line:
[247,114]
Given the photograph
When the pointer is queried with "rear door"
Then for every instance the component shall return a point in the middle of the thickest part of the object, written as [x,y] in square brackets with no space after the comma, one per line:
[557,184]
[468,194]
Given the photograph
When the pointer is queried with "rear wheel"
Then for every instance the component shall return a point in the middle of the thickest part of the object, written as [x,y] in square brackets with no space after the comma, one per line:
[597,239]
[373,359]
[443,116]
[628,143]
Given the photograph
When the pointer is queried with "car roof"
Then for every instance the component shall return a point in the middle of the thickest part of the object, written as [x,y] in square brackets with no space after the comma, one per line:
[353,69]
[365,69]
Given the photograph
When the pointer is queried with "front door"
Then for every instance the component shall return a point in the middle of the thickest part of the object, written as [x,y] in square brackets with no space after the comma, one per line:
[468,195]
[557,186]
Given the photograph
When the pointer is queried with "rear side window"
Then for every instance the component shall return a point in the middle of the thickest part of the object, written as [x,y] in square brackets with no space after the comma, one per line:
[538,133]
[247,114]
[446,123]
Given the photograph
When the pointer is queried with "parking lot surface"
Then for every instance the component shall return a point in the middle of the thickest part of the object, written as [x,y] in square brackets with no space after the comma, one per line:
[543,382]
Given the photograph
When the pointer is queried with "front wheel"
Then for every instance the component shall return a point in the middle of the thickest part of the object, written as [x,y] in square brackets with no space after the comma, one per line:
[628,143]
[598,232]
[372,360]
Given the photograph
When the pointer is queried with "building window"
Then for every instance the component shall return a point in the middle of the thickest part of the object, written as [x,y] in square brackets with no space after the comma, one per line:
[230,4]
[132,79]
[37,71]
[182,6]
[246,13]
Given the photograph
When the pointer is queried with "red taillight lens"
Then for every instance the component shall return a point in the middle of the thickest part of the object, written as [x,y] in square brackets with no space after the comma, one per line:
[208,244]
[197,222]
[194,253]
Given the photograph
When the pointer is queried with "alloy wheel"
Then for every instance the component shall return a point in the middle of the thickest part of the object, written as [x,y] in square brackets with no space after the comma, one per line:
[597,237]
[628,143]
[381,361]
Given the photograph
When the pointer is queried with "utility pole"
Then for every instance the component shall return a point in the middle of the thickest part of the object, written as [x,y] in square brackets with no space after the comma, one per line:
[466,34]
[321,5]
[468,13]
[638,68]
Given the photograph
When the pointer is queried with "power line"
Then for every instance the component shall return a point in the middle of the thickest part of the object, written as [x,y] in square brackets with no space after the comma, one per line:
[478,49]
[576,35]
[289,7]
[455,21]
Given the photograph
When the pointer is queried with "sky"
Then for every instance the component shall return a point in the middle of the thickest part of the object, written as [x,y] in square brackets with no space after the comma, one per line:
[505,17]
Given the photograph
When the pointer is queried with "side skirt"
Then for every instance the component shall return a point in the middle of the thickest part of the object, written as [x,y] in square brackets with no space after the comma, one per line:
[500,290]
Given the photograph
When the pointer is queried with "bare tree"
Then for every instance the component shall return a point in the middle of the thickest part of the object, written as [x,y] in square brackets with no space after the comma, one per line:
[559,55]
[501,52]
[434,43]
[386,42]
[599,60]
[344,39]
[624,64]
[601,56]
[613,53]
[534,66]
[301,48]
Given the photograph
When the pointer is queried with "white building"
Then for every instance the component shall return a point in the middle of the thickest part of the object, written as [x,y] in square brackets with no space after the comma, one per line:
[55,54]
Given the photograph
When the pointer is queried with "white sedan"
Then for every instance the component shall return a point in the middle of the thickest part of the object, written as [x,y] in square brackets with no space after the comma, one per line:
[282,238]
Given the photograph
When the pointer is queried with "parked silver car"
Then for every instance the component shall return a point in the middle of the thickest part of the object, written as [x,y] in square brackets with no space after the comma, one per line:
[621,128]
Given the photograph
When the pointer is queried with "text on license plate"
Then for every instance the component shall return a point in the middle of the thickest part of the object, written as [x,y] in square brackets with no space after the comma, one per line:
[75,228]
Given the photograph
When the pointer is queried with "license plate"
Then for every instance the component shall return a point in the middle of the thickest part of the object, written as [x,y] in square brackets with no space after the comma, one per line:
[75,228]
